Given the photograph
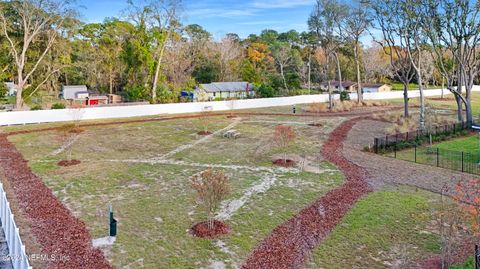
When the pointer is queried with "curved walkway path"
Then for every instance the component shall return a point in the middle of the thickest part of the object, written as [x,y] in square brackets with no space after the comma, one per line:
[289,244]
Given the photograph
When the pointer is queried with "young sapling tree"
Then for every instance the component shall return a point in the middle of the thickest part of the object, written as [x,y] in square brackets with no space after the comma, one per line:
[283,136]
[212,187]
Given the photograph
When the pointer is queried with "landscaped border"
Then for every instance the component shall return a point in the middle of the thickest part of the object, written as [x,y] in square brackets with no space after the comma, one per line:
[289,245]
[64,239]
[60,233]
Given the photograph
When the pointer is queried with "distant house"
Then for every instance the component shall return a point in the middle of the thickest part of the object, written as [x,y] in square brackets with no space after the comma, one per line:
[11,90]
[223,90]
[74,92]
[366,88]
[347,85]
[81,94]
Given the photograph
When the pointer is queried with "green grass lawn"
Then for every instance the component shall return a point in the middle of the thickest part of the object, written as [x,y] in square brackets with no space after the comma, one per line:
[385,229]
[468,144]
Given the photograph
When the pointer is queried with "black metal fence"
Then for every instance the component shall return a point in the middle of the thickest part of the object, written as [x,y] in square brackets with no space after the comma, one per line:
[448,159]
[410,139]
[408,147]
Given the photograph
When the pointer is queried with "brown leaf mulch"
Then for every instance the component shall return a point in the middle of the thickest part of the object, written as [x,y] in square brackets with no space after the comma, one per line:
[66,163]
[203,231]
[289,245]
[64,239]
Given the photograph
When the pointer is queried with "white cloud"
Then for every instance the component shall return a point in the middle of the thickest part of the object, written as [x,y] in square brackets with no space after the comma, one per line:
[259,22]
[219,12]
[267,4]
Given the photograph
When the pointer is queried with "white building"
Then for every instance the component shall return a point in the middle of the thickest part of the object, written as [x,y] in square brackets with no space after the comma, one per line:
[74,92]
[223,90]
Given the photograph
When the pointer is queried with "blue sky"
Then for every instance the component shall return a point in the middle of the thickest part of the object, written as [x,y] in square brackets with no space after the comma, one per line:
[222,16]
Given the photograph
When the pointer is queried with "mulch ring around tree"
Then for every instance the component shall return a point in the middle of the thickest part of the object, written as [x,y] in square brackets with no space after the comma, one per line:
[56,230]
[284,162]
[204,133]
[66,163]
[289,244]
[203,231]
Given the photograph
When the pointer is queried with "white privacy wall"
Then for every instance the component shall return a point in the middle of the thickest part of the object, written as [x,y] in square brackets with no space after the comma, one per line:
[61,115]
[16,249]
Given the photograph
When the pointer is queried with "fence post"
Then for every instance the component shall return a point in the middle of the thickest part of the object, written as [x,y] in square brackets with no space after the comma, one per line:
[477,257]
[407,135]
[375,146]
[415,153]
[462,161]
[438,163]
[395,150]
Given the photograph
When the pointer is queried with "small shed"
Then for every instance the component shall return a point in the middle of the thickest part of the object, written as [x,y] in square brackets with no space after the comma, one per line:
[367,88]
[72,92]
[347,85]
[114,98]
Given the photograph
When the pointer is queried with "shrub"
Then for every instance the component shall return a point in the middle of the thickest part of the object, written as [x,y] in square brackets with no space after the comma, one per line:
[136,93]
[58,106]
[212,187]
[344,96]
[167,93]
[3,90]
[265,91]
[317,108]
[36,107]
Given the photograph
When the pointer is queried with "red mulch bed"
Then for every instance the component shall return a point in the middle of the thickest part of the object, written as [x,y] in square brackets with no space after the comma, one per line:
[284,163]
[289,245]
[204,133]
[441,99]
[56,229]
[66,163]
[201,230]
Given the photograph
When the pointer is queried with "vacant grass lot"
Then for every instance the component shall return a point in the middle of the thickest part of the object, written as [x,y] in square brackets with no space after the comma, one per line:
[143,170]
[389,228]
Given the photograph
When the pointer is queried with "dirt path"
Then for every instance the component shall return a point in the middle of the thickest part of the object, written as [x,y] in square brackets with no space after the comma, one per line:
[289,245]
[201,140]
[57,231]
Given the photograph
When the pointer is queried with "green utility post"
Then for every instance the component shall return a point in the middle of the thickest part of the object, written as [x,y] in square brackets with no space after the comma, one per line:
[112,223]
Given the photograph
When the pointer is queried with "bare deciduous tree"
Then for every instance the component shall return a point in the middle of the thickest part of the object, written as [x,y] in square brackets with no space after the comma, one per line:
[356,24]
[24,23]
[283,136]
[453,28]
[392,25]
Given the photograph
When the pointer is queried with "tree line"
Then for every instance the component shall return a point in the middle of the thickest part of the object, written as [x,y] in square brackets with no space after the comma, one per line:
[148,54]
